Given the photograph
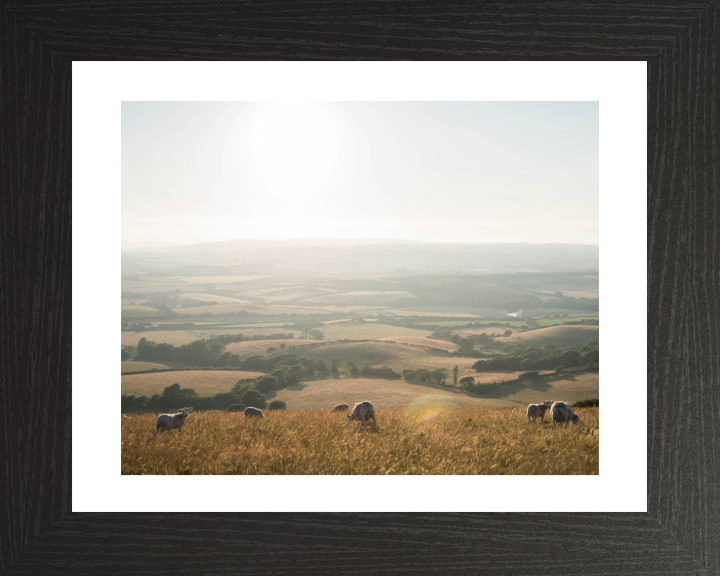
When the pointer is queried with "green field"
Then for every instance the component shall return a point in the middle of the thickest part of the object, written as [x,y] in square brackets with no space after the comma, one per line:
[559,321]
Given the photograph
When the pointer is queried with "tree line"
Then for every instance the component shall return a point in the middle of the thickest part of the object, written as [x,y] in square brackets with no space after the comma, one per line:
[546,358]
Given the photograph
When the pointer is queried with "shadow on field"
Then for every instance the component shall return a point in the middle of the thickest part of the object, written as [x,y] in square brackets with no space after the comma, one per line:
[539,385]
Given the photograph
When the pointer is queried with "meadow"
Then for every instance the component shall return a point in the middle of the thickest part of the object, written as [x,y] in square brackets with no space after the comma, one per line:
[426,440]
[204,382]
[561,336]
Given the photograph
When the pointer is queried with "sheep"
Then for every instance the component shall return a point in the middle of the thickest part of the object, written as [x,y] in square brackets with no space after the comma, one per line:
[361,412]
[253,412]
[538,410]
[124,415]
[561,412]
[170,421]
[341,408]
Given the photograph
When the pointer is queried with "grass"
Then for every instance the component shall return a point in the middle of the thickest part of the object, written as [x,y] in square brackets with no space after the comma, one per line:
[174,337]
[204,382]
[426,440]
[217,279]
[559,335]
[369,331]
[558,321]
[452,324]
[210,297]
[139,366]
[137,311]
[426,342]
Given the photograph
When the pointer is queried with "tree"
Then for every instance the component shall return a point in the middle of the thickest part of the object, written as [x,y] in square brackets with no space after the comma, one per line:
[559,370]
[270,350]
[316,334]
[236,408]
[254,398]
[455,376]
[267,384]
[467,381]
[455,338]
[277,405]
[466,344]
[507,333]
[335,365]
[282,346]
[296,373]
[125,355]
[352,368]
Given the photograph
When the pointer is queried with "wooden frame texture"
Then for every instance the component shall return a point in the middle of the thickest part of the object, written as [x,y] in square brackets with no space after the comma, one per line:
[680,533]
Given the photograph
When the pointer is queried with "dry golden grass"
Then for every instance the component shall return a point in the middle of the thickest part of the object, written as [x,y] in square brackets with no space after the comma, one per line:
[369,331]
[174,337]
[257,308]
[253,347]
[558,335]
[321,394]
[421,441]
[139,366]
[396,356]
[421,341]
[204,382]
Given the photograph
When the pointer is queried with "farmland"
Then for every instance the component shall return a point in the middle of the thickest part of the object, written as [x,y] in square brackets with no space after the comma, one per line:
[422,439]
[205,382]
[558,335]
[426,424]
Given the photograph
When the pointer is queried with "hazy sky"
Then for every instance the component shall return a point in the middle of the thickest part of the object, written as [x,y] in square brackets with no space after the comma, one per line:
[437,171]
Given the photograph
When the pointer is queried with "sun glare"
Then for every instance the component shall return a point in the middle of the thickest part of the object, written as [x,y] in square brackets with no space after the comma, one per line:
[292,148]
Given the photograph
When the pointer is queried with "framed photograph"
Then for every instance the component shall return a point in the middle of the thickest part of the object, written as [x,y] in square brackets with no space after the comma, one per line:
[84,496]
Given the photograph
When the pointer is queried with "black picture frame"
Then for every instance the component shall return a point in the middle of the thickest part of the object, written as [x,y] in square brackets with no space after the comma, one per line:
[680,533]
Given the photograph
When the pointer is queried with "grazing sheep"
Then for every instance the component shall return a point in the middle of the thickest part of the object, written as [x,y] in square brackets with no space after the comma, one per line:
[362,411]
[253,412]
[561,412]
[170,421]
[538,410]
[341,408]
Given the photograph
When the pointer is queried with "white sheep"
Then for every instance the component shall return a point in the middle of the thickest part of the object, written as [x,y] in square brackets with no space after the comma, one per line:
[170,421]
[561,412]
[538,410]
[251,412]
[363,411]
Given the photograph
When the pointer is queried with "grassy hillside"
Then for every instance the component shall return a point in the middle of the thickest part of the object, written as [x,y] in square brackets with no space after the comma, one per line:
[426,342]
[396,356]
[324,394]
[369,331]
[413,441]
[204,382]
[559,335]
[174,337]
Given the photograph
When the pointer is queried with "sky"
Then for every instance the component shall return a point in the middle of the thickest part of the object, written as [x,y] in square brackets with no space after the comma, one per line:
[469,172]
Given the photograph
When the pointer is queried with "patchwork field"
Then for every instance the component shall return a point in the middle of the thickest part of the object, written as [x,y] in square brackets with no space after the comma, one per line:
[218,279]
[204,382]
[559,335]
[420,341]
[212,298]
[396,356]
[139,366]
[137,311]
[368,331]
[253,347]
[416,440]
[174,337]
